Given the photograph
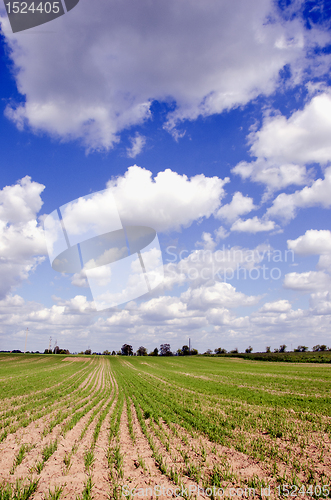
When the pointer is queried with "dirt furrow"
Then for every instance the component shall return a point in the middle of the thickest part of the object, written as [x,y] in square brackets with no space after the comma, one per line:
[32,435]
[140,470]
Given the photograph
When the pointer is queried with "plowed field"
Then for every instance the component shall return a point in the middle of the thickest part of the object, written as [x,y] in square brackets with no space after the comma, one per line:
[148,427]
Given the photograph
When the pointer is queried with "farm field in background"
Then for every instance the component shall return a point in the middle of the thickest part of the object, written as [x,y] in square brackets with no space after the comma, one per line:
[81,427]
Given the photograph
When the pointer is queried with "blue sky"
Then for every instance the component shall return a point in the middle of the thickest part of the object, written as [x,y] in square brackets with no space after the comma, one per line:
[210,123]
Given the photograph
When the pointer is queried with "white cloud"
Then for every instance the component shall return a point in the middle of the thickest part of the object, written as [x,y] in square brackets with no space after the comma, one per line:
[101,275]
[166,202]
[98,70]
[279,306]
[79,279]
[21,237]
[320,303]
[221,233]
[165,319]
[78,304]
[205,267]
[207,242]
[239,205]
[284,146]
[137,145]
[218,295]
[285,206]
[313,242]
[21,202]
[308,281]
[303,138]
[282,324]
[324,262]
[254,225]
[169,201]
[273,175]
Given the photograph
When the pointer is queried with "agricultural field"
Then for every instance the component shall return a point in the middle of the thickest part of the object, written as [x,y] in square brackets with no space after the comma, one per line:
[101,427]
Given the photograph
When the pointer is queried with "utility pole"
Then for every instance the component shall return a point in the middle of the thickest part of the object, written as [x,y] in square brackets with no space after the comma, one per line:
[50,345]
[189,346]
[26,338]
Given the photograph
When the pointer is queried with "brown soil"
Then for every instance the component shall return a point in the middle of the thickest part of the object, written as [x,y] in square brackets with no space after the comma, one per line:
[147,466]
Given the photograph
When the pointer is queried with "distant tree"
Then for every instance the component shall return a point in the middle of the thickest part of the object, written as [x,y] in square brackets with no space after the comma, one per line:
[267,349]
[47,351]
[209,352]
[106,352]
[126,350]
[142,351]
[63,351]
[113,353]
[301,348]
[318,347]
[234,351]
[56,350]
[88,352]
[282,348]
[185,350]
[249,349]
[194,352]
[276,350]
[165,350]
[220,350]
[156,352]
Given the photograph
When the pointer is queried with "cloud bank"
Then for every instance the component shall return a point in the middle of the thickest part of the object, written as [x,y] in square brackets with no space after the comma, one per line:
[99,71]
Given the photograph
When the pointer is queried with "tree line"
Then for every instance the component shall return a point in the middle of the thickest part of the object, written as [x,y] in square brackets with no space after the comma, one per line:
[165,350]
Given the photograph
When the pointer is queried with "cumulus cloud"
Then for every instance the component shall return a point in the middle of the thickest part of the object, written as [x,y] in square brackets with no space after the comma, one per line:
[22,242]
[137,145]
[308,281]
[21,202]
[205,267]
[221,233]
[284,146]
[168,201]
[279,306]
[100,69]
[271,174]
[207,242]
[282,323]
[254,225]
[285,206]
[320,303]
[313,242]
[302,138]
[239,205]
[218,295]
[168,318]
